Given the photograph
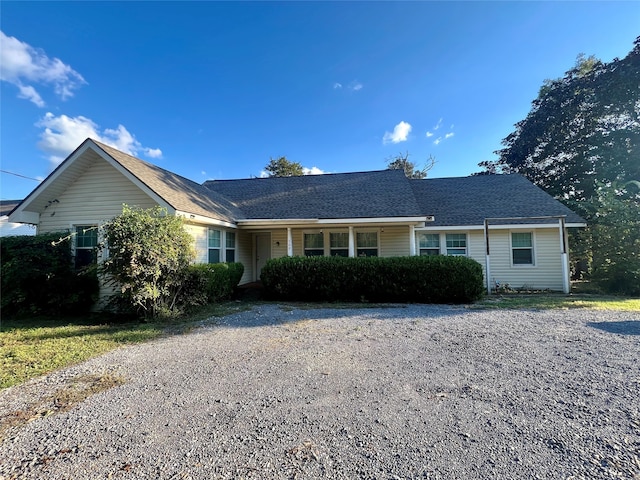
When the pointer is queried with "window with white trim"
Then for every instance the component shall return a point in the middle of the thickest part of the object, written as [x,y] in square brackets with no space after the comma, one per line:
[456,244]
[230,251]
[429,243]
[314,244]
[86,245]
[339,244]
[367,244]
[214,244]
[522,248]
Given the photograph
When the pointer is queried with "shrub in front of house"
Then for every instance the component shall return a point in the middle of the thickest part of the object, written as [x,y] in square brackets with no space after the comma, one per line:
[38,277]
[419,279]
[210,283]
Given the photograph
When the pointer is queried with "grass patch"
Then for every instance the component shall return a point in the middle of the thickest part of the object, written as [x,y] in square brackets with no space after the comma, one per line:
[556,301]
[35,346]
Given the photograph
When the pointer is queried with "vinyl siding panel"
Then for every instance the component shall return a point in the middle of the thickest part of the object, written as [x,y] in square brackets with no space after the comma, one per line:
[199,234]
[244,254]
[96,197]
[393,242]
[545,273]
[279,243]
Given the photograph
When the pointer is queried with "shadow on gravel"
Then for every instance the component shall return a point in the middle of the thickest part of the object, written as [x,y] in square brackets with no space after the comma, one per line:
[625,327]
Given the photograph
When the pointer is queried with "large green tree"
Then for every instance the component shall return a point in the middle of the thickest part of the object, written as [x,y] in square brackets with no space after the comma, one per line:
[281,167]
[581,143]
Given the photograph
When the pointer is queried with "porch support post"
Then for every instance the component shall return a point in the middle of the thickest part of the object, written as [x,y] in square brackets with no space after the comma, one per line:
[289,243]
[412,240]
[487,257]
[564,257]
[352,243]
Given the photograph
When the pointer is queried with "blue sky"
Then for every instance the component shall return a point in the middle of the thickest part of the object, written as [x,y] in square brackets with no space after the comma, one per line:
[213,90]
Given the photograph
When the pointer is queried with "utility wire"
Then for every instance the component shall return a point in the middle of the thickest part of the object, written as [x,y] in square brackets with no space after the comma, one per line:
[18,175]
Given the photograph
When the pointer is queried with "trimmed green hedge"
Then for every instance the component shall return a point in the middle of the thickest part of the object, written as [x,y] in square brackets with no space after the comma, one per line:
[420,279]
[211,282]
[38,277]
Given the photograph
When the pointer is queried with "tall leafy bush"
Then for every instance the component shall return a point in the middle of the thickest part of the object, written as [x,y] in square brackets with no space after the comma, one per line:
[149,252]
[38,277]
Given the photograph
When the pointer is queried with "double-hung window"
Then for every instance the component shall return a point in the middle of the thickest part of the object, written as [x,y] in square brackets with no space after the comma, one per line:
[522,248]
[339,244]
[215,242]
[86,244]
[230,251]
[367,244]
[429,243]
[314,244]
[457,244]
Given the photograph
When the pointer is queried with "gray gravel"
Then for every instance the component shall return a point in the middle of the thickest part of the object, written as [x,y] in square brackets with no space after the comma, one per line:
[385,393]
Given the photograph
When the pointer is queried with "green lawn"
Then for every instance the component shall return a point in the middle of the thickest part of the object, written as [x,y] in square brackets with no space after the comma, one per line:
[558,301]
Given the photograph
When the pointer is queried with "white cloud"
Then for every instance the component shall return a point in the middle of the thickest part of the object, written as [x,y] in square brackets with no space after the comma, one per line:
[449,135]
[22,66]
[400,133]
[337,85]
[355,86]
[63,134]
[437,141]
[429,134]
[438,125]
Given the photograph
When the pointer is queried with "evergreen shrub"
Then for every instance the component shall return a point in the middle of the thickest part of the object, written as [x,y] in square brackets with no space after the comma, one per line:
[418,279]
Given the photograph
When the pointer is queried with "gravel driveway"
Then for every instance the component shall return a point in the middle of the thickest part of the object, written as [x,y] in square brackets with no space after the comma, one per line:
[380,393]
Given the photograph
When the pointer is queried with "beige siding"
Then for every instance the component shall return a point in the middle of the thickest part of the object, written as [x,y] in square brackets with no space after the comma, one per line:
[545,273]
[244,254]
[97,196]
[393,242]
[199,234]
[279,243]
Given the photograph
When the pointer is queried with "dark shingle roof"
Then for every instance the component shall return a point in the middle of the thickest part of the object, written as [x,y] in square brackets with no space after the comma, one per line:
[179,192]
[384,193]
[469,200]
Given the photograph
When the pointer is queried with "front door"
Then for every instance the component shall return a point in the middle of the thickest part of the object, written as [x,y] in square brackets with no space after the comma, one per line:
[263,251]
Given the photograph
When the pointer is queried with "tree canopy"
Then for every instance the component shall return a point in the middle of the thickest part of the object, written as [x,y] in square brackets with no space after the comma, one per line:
[411,170]
[581,143]
[582,129]
[281,167]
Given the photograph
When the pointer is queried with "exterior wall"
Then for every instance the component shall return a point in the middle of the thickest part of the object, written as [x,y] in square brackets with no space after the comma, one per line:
[545,273]
[393,241]
[97,196]
[244,254]
[547,269]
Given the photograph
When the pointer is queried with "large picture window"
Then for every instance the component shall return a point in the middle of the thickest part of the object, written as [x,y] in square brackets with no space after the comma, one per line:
[457,244]
[429,243]
[339,244]
[86,244]
[314,244]
[522,248]
[367,244]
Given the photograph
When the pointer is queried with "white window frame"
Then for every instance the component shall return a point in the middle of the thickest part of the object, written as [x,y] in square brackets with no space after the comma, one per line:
[357,247]
[74,244]
[228,248]
[466,245]
[332,249]
[305,249]
[439,248]
[218,248]
[533,249]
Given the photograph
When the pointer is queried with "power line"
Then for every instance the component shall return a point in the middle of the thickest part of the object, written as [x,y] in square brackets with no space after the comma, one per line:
[21,176]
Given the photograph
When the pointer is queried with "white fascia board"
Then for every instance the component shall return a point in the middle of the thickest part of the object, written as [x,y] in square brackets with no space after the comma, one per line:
[303,222]
[18,216]
[511,226]
[202,220]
